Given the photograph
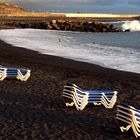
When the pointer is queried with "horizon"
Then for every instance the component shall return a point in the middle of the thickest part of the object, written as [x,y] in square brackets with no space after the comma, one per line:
[85,6]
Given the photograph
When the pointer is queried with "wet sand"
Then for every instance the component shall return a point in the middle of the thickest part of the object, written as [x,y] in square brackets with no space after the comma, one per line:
[35,109]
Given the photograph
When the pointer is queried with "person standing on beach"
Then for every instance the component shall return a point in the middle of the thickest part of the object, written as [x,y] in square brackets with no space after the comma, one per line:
[59,40]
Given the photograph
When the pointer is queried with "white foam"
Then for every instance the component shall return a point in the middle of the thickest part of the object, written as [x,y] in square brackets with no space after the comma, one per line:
[67,46]
[131,25]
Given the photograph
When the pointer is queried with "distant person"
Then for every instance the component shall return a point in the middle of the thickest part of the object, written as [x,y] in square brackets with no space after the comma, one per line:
[59,40]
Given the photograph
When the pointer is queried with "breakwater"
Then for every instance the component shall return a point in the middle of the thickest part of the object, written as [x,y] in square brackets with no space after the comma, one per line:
[63,25]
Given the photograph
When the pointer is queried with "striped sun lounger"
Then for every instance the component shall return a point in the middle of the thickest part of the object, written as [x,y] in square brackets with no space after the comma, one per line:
[14,73]
[80,98]
[130,116]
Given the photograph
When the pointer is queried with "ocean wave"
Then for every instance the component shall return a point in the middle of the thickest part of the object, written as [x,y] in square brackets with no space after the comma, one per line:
[66,45]
[131,25]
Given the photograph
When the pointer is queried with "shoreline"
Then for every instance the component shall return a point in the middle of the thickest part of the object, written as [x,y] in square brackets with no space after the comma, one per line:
[60,62]
[35,109]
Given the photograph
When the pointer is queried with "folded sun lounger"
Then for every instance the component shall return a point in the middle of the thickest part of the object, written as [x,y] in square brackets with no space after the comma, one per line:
[130,116]
[14,73]
[81,98]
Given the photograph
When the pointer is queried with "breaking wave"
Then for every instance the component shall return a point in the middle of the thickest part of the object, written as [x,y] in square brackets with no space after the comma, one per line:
[131,25]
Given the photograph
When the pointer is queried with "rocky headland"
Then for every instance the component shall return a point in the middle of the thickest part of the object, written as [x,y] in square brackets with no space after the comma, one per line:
[6,8]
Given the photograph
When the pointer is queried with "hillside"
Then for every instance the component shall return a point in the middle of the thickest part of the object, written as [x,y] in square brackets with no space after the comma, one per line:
[6,8]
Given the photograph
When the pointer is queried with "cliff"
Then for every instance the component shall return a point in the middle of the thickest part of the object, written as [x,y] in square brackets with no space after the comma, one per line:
[6,8]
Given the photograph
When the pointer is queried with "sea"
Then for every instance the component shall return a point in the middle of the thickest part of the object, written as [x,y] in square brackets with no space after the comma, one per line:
[118,50]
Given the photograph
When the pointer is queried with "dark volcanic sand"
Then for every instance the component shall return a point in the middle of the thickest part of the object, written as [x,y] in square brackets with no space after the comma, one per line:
[35,109]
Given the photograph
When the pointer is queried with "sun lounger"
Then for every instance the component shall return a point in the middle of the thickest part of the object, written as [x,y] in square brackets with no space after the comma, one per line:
[84,97]
[130,116]
[14,73]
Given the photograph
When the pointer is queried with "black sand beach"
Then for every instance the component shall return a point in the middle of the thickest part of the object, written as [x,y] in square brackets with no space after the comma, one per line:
[35,109]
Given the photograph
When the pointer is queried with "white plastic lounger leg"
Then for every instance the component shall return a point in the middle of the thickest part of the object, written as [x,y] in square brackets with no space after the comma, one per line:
[84,102]
[108,103]
[135,124]
[22,77]
[80,101]
[3,73]
[129,115]
[77,101]
[135,129]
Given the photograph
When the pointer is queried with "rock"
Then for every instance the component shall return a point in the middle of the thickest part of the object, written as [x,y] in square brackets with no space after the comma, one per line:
[53,21]
[62,27]
[127,30]
[60,21]
[49,26]
[55,27]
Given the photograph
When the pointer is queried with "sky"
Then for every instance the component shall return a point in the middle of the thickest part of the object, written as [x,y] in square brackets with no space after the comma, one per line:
[96,6]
